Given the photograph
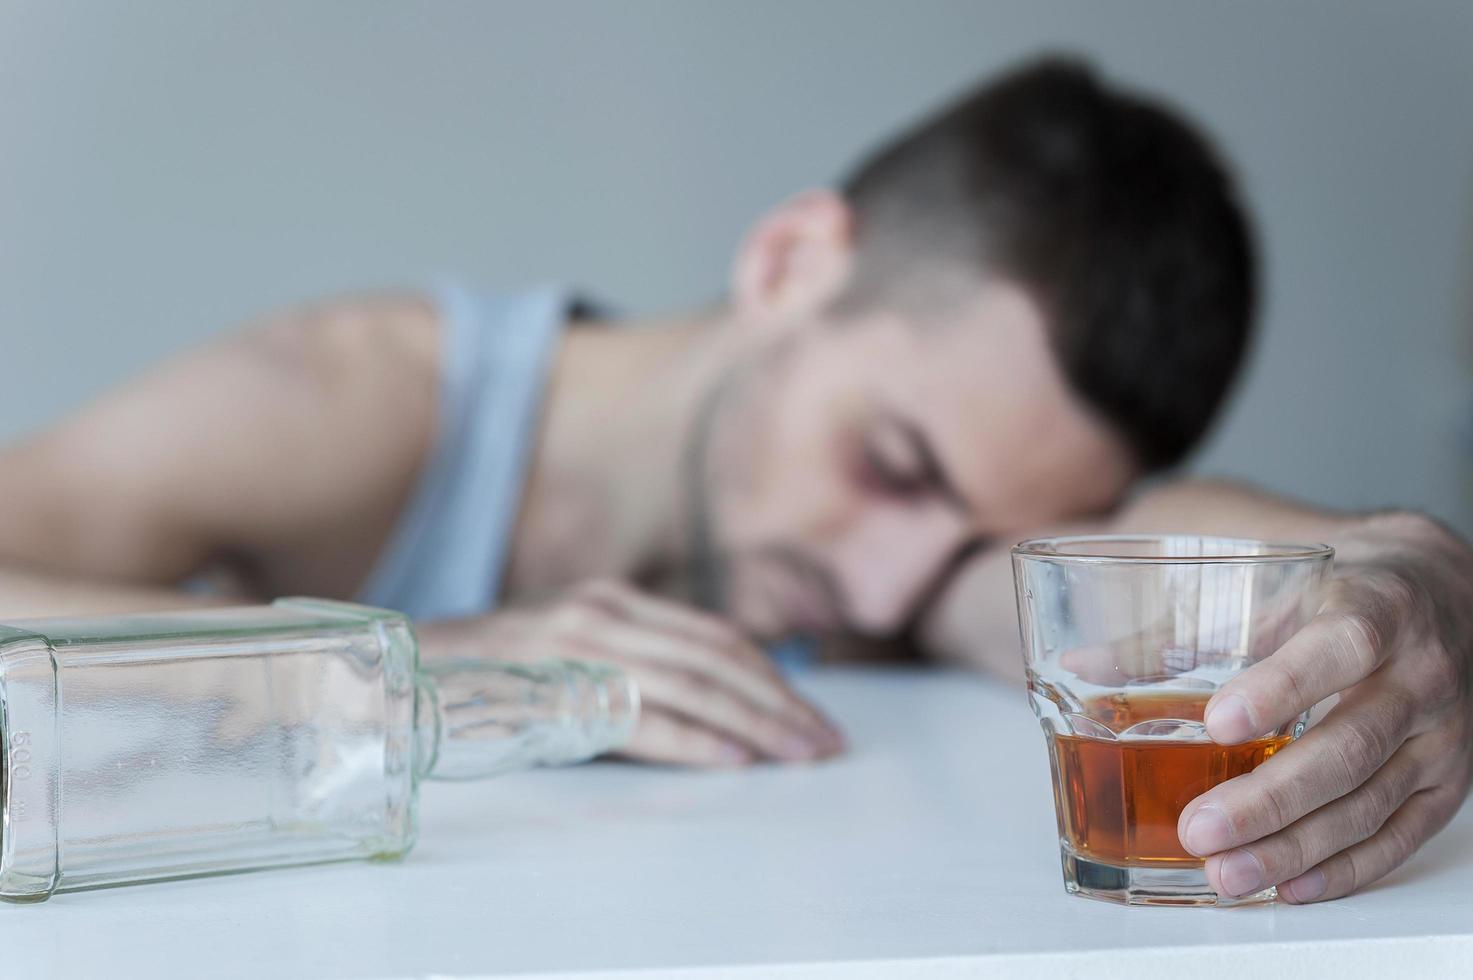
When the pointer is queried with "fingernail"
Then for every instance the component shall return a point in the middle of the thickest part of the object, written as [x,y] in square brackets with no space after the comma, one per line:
[1207,832]
[831,739]
[732,754]
[1229,720]
[1241,873]
[819,730]
[795,747]
[1307,887]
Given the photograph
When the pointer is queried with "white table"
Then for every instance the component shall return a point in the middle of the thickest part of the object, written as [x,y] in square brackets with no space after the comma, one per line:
[929,851]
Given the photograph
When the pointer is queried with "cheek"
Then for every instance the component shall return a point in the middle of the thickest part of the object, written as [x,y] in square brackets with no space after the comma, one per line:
[890,554]
[792,485]
[799,492]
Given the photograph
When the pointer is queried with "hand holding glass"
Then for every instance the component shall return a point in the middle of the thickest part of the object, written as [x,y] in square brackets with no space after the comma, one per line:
[1125,639]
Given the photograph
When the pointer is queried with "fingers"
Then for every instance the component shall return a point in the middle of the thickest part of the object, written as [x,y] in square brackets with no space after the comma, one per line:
[1103,665]
[1331,760]
[1133,654]
[722,643]
[667,739]
[1308,841]
[662,632]
[661,613]
[1336,650]
[1156,650]
[695,671]
[728,715]
[664,657]
[1421,816]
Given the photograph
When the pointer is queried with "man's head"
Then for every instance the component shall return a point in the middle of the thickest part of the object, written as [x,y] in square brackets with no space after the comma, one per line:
[1005,316]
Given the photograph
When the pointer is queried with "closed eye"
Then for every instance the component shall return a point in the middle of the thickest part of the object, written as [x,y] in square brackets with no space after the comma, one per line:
[897,463]
[897,458]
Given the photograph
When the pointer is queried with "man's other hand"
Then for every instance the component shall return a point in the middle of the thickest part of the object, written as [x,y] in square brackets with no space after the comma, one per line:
[1390,764]
[709,696]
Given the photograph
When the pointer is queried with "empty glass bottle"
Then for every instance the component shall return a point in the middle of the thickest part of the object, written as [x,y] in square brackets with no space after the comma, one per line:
[137,748]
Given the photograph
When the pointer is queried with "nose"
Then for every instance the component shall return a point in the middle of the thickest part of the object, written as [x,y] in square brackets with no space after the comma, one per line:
[888,562]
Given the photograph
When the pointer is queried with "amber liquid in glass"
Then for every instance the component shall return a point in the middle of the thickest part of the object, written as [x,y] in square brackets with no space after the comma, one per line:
[1118,801]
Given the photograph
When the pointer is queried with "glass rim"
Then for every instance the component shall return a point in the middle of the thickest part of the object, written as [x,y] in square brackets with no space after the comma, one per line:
[1058,549]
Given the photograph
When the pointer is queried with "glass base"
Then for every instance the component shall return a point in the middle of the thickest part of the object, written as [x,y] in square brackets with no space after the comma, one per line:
[1125,885]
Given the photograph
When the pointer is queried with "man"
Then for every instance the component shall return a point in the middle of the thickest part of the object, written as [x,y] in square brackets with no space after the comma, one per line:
[998,324]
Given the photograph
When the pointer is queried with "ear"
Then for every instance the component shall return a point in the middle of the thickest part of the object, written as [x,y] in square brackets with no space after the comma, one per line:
[796,259]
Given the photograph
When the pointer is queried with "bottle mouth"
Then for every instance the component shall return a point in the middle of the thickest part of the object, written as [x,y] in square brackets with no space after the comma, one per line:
[602,709]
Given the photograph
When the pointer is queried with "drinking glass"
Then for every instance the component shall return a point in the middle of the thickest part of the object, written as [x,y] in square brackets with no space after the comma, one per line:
[1125,639]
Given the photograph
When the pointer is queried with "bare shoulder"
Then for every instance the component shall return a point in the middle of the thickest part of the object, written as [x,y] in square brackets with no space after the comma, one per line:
[290,444]
[333,341]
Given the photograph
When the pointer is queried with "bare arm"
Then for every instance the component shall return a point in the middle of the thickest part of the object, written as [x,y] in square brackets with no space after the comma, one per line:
[975,622]
[280,455]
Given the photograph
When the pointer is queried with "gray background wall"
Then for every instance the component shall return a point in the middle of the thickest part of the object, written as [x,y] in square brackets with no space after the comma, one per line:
[169,169]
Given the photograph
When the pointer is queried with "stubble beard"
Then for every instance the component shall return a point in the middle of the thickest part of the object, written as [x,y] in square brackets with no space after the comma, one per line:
[705,578]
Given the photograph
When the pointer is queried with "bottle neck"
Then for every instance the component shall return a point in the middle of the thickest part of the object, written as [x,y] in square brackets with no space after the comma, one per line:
[477,718]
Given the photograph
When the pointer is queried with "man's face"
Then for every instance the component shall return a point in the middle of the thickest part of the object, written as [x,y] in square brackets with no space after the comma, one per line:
[843,467]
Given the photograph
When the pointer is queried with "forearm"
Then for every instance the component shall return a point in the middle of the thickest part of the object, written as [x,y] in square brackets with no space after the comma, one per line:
[27,593]
[1226,509]
[974,623]
[1216,507]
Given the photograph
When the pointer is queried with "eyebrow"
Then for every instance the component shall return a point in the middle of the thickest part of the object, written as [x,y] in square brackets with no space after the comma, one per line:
[931,462]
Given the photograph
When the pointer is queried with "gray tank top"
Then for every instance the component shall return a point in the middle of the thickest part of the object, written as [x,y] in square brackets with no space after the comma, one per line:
[446,555]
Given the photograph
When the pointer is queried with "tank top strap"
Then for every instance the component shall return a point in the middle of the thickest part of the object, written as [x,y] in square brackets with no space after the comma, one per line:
[447,553]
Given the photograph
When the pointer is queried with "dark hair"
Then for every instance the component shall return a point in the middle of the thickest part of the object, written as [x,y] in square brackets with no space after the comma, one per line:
[1110,209]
